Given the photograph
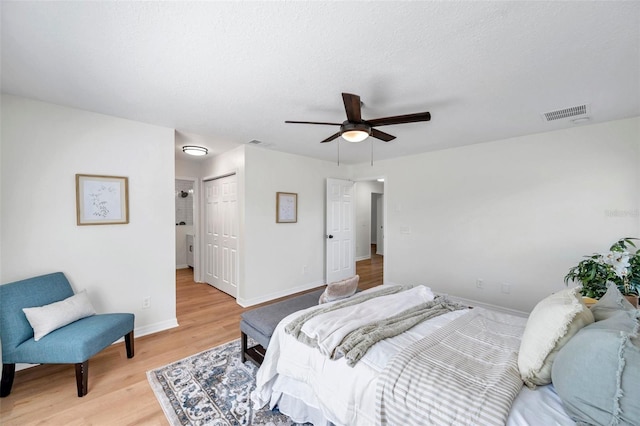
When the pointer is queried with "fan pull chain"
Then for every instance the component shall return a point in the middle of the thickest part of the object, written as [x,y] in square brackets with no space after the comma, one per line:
[371,152]
[338,152]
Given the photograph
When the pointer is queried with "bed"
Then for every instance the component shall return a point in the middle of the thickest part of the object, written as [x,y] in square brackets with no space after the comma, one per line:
[304,382]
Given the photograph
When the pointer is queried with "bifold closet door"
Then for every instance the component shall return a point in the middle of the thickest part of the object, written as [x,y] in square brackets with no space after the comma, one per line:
[221,234]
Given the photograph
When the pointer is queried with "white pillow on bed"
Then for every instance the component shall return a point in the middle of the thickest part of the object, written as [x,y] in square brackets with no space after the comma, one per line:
[551,324]
[47,318]
[339,290]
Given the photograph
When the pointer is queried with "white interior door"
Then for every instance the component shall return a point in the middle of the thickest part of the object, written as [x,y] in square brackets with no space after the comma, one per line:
[340,232]
[221,234]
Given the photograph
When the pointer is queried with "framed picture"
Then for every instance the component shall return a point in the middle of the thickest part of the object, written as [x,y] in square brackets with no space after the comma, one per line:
[102,200]
[286,207]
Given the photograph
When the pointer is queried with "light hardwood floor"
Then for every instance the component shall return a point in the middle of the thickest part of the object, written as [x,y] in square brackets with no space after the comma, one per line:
[119,393]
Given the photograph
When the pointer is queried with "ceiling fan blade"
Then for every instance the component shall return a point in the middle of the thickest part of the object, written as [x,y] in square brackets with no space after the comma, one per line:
[314,122]
[400,119]
[382,135]
[352,107]
[332,137]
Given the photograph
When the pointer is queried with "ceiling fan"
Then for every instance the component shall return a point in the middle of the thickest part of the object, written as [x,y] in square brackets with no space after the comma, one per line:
[355,129]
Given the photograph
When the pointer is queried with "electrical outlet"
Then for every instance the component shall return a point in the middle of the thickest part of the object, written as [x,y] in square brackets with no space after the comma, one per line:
[506,288]
[304,270]
[480,283]
[146,302]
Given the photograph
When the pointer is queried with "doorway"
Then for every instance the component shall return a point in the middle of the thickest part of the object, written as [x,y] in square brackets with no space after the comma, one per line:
[370,209]
[370,270]
[377,223]
[186,203]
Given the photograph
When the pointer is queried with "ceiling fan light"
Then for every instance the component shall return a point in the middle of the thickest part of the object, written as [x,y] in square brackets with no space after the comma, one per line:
[355,135]
[195,150]
[354,132]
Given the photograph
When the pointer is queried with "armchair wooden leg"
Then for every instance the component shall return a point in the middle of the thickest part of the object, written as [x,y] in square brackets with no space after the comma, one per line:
[82,377]
[8,373]
[128,342]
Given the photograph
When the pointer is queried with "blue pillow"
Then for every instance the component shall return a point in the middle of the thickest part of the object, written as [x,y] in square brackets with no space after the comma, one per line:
[610,304]
[597,373]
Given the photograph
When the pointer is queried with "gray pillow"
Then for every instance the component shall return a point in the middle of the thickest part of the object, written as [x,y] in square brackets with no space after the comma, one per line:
[597,374]
[610,304]
[339,290]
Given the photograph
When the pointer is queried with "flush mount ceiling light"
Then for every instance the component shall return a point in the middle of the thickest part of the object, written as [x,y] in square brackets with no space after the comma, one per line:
[354,132]
[195,150]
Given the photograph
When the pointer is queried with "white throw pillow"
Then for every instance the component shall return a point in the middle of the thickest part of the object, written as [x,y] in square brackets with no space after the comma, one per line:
[340,289]
[551,324]
[48,318]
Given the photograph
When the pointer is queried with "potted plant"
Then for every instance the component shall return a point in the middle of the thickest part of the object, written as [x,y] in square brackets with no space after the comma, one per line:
[620,265]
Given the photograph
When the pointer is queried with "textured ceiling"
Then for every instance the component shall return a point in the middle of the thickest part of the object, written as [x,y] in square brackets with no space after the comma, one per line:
[226,73]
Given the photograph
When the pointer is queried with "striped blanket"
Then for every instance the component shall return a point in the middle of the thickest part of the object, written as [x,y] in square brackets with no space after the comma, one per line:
[464,373]
[358,342]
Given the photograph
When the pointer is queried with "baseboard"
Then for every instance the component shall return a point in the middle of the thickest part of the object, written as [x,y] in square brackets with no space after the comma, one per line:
[185,266]
[358,259]
[20,366]
[155,328]
[245,303]
[137,332]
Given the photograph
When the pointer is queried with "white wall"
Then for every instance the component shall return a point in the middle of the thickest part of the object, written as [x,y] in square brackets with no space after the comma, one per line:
[520,211]
[187,169]
[273,256]
[276,254]
[43,147]
[364,189]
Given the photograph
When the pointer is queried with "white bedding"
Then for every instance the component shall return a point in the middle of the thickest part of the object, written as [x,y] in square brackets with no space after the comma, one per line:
[330,328]
[308,386]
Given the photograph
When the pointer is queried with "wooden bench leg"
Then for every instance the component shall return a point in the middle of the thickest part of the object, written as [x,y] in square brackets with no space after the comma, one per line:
[8,373]
[254,354]
[82,377]
[128,341]
[243,348]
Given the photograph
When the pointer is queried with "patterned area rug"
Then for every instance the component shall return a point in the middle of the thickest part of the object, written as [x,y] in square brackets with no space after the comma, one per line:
[211,388]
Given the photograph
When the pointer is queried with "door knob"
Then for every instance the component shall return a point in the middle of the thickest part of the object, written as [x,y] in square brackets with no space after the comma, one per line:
[329,236]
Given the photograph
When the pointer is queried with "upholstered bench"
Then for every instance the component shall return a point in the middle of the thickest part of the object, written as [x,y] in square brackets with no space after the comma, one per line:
[260,323]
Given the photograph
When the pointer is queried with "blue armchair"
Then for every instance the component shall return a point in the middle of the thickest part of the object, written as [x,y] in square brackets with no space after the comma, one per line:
[74,343]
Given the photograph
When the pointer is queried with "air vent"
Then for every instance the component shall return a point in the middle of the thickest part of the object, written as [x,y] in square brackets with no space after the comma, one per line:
[565,113]
[261,144]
